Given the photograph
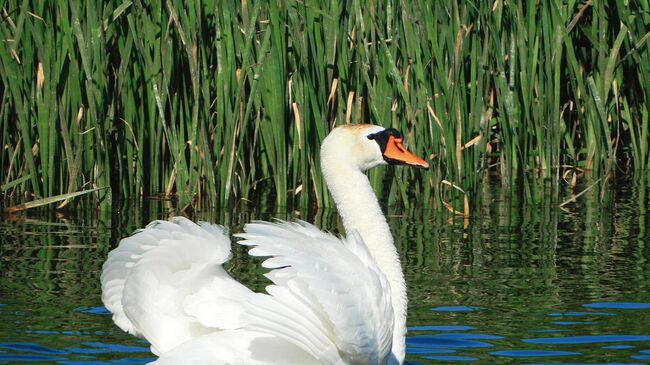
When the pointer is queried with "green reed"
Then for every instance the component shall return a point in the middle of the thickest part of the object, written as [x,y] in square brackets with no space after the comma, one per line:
[212,102]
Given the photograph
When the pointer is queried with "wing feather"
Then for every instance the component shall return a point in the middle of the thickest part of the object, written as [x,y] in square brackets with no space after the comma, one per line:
[328,300]
[328,294]
[166,283]
[237,348]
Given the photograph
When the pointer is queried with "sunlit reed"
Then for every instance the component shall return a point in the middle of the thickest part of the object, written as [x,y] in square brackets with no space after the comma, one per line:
[211,102]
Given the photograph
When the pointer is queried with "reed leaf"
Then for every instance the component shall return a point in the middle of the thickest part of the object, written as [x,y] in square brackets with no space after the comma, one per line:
[216,102]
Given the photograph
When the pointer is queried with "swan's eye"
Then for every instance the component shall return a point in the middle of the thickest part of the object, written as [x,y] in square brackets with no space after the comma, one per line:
[382,137]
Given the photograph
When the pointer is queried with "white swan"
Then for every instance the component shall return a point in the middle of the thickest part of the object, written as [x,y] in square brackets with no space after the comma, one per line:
[333,301]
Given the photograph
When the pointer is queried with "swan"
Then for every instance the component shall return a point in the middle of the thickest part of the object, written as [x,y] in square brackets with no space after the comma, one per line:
[332,300]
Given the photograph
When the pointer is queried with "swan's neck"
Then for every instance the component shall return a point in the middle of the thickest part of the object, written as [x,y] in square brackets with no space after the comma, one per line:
[360,211]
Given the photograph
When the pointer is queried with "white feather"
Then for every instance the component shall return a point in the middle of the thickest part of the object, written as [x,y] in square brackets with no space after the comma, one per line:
[236,348]
[166,284]
[332,298]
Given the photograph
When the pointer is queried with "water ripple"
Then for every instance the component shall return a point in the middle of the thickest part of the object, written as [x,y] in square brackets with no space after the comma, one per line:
[29,347]
[583,363]
[100,348]
[451,340]
[618,347]
[28,358]
[580,314]
[93,310]
[427,351]
[450,358]
[572,340]
[455,308]
[441,328]
[617,305]
[32,352]
[532,353]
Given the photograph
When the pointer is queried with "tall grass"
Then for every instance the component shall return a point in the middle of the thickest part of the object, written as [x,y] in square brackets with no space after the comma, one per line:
[215,101]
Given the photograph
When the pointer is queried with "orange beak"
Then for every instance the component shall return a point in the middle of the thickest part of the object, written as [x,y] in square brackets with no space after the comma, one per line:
[396,153]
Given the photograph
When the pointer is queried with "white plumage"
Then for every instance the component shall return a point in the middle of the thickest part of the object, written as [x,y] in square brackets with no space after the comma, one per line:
[332,301]
[328,298]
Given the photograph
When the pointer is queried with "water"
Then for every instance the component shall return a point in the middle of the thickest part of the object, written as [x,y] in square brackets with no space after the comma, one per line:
[516,284]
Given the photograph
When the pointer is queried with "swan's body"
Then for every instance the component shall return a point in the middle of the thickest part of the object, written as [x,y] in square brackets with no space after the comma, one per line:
[333,301]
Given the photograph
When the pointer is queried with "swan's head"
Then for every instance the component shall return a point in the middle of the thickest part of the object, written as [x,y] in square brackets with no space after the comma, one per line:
[365,146]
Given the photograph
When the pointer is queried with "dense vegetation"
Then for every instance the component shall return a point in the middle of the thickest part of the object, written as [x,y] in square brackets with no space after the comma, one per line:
[212,101]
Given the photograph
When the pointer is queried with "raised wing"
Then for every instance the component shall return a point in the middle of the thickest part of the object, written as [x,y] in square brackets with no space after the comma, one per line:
[329,298]
[166,283]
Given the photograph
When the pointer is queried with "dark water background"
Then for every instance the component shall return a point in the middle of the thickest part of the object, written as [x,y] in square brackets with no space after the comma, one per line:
[515,284]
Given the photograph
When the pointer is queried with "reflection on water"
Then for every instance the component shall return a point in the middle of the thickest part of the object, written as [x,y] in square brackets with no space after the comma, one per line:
[520,285]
